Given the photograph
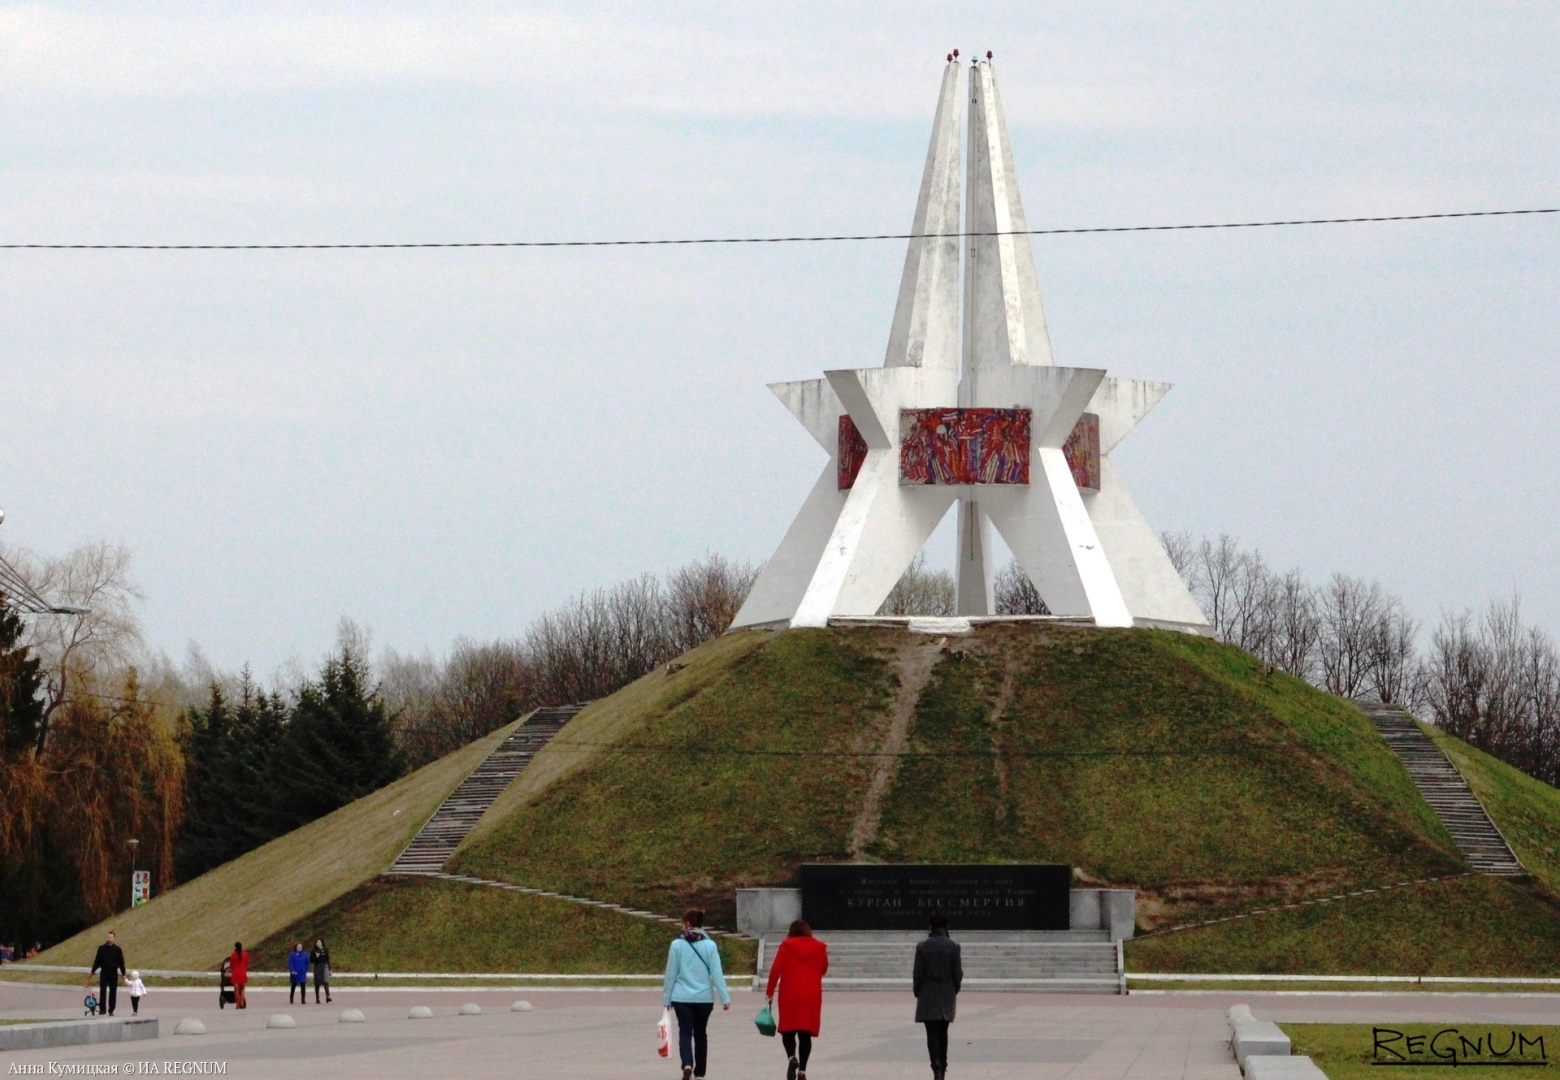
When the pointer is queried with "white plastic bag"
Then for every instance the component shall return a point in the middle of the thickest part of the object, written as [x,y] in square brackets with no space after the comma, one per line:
[663,1034]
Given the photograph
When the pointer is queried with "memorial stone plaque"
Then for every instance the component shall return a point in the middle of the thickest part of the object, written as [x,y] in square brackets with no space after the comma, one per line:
[867,896]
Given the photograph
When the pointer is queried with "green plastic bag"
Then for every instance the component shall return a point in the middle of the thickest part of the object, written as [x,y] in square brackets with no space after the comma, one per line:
[765,1020]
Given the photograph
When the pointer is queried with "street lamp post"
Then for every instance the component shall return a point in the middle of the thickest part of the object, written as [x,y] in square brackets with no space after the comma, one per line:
[135,873]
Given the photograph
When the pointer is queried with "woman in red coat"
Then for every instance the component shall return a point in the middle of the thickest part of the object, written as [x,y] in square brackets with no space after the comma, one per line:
[238,962]
[799,965]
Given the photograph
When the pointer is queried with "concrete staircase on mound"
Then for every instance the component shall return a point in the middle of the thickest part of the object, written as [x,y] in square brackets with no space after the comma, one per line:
[1446,791]
[1059,962]
[441,834]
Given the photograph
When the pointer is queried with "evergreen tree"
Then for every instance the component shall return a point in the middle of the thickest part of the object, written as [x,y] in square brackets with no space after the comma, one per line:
[21,683]
[228,799]
[339,746]
[207,753]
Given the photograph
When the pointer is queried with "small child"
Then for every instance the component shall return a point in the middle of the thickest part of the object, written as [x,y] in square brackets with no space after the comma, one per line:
[137,990]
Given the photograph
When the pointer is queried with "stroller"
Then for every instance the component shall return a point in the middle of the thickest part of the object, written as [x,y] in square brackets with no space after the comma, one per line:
[225,993]
[90,1003]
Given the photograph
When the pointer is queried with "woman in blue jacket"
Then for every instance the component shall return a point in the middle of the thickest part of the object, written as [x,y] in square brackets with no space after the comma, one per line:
[298,973]
[693,978]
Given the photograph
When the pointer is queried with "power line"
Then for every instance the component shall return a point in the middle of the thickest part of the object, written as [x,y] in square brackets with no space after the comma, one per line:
[730,240]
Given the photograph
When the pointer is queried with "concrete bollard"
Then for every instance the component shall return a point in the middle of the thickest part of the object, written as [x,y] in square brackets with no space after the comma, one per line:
[520,1006]
[1283,1068]
[351,1016]
[280,1020]
[189,1027]
[471,1010]
[420,1012]
[1259,1038]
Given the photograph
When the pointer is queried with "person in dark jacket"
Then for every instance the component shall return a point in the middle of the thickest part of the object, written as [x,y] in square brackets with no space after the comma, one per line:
[939,972]
[108,965]
[320,958]
[298,973]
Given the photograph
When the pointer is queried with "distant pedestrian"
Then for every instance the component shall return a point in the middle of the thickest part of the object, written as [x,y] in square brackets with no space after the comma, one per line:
[238,971]
[798,968]
[298,973]
[939,972]
[320,958]
[137,990]
[693,978]
[108,965]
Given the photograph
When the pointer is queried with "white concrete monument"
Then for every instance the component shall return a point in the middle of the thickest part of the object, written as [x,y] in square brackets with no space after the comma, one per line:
[970,411]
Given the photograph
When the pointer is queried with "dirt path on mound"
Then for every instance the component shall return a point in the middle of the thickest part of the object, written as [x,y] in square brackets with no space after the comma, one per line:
[914,666]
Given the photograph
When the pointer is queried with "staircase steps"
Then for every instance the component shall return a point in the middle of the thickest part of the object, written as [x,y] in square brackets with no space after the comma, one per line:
[1075,962]
[1444,788]
[441,834]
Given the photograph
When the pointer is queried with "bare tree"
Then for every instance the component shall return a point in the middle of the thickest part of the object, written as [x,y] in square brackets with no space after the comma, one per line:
[1249,611]
[1016,593]
[442,707]
[1496,684]
[1394,654]
[1214,567]
[1297,626]
[920,591]
[1182,551]
[600,641]
[1352,610]
[704,598]
[80,648]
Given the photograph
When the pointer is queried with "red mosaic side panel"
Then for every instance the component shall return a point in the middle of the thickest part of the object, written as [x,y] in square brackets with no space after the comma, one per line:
[853,452]
[1082,451]
[964,446]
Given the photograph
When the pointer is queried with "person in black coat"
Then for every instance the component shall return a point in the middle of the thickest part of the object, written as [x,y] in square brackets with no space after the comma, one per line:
[939,972]
[320,958]
[108,965]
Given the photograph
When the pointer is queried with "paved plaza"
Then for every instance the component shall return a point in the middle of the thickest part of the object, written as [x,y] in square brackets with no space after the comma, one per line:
[611,1034]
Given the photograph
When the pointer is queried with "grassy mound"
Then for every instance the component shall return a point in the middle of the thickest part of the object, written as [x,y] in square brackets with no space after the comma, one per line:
[426,924]
[1162,761]
[194,926]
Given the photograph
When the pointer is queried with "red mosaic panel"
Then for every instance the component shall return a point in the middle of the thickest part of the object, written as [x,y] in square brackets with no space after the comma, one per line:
[1082,451]
[964,446]
[853,452]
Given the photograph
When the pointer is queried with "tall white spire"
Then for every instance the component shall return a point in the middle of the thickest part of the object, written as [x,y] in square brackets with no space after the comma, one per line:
[1004,322]
[925,332]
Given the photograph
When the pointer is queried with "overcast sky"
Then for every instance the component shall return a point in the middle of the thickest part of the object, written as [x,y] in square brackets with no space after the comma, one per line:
[440,444]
